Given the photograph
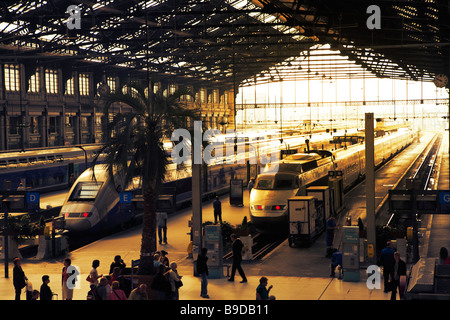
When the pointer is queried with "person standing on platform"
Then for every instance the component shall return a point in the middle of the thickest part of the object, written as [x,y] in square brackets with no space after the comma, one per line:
[161,222]
[19,278]
[387,261]
[118,262]
[202,271]
[116,292]
[67,293]
[399,270]
[139,293]
[330,229]
[217,210]
[45,292]
[175,281]
[163,258]
[237,258]
[251,184]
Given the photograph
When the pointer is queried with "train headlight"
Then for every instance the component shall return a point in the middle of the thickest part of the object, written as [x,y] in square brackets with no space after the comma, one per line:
[278,207]
[86,214]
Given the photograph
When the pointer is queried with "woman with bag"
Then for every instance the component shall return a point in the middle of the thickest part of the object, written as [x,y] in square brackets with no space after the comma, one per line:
[19,278]
[175,281]
[116,292]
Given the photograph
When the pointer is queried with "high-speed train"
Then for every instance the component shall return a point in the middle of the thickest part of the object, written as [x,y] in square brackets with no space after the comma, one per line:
[43,169]
[92,203]
[277,183]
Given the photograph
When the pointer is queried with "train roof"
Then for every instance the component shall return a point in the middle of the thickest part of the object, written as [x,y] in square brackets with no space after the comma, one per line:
[300,158]
[44,152]
[100,173]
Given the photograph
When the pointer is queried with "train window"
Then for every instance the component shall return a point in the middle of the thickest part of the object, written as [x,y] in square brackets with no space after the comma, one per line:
[59,158]
[3,163]
[283,183]
[309,165]
[264,184]
[12,162]
[42,159]
[23,160]
[85,191]
[51,158]
[32,159]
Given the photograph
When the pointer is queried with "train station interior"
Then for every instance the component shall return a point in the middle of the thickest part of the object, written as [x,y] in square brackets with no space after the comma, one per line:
[114,113]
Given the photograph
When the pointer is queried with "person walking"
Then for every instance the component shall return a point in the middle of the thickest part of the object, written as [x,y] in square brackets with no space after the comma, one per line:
[387,261]
[161,223]
[19,278]
[399,270]
[94,276]
[237,258]
[202,271]
[45,291]
[217,210]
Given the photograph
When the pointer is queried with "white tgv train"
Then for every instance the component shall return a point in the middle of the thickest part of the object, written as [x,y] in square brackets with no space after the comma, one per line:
[268,199]
[92,204]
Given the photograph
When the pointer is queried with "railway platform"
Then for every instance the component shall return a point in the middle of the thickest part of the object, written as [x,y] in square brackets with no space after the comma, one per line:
[289,280]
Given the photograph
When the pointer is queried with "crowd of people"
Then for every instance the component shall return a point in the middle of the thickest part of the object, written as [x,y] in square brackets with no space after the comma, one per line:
[113,286]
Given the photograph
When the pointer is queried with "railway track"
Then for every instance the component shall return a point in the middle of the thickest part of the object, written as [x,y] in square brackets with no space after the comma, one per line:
[422,172]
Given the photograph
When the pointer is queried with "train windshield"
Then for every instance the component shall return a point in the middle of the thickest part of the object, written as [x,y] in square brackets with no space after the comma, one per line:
[279,183]
[85,191]
[265,183]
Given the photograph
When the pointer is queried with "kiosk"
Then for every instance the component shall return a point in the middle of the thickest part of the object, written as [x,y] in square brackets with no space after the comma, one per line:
[350,251]
[213,242]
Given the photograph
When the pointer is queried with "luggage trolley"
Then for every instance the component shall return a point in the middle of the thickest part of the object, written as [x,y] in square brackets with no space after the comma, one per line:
[302,220]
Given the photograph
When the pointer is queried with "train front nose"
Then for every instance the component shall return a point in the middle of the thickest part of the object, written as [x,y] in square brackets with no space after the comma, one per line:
[77,225]
[78,217]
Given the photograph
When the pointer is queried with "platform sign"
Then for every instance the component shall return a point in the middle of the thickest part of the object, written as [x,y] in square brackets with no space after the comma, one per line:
[32,197]
[427,201]
[444,201]
[125,197]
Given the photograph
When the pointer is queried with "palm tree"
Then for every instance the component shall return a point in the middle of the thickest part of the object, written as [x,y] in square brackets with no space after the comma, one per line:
[134,147]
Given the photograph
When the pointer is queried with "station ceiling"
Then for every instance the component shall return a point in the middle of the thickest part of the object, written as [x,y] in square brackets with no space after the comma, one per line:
[221,43]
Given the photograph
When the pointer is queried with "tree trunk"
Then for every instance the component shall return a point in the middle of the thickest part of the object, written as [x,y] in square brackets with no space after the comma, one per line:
[148,243]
